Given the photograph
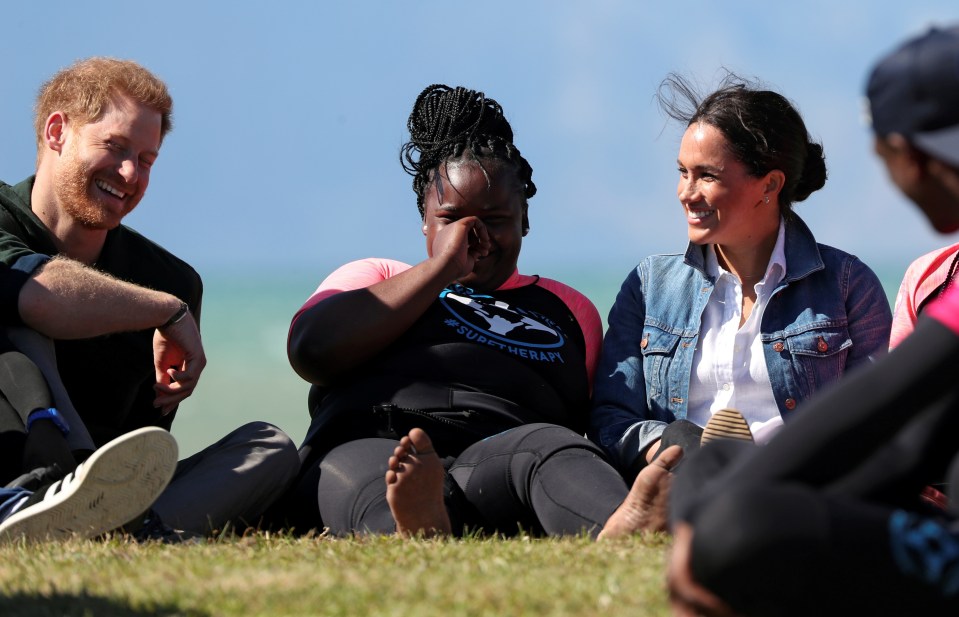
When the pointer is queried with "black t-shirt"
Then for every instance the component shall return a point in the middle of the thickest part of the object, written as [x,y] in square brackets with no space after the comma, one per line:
[109,378]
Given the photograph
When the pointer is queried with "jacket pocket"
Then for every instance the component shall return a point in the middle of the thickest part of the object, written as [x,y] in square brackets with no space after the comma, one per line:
[659,351]
[819,356]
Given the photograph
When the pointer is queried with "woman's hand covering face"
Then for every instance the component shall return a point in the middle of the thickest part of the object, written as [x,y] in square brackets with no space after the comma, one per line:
[474,218]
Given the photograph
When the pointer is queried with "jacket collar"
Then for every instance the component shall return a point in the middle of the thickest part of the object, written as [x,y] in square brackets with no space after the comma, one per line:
[802,252]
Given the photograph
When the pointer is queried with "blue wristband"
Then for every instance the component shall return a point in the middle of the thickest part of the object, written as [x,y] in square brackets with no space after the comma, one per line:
[50,414]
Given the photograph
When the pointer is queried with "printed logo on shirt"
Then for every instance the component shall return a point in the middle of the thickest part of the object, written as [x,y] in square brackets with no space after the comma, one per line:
[486,320]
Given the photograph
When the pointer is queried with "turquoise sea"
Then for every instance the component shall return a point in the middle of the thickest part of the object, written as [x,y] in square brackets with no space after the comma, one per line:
[245,321]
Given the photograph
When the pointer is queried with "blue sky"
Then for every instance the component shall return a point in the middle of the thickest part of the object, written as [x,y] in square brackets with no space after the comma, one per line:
[289,116]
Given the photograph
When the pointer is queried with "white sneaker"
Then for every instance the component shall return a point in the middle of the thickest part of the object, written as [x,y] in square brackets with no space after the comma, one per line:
[120,481]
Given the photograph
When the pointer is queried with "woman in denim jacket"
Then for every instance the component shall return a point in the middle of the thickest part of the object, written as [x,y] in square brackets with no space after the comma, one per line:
[756,316]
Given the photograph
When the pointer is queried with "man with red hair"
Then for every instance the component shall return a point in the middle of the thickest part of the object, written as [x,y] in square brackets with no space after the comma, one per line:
[122,311]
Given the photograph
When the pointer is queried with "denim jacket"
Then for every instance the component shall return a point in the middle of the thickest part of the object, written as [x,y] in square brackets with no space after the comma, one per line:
[828,315]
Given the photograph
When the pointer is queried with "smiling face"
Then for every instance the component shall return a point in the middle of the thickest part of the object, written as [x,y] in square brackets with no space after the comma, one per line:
[723,204]
[460,189]
[104,166]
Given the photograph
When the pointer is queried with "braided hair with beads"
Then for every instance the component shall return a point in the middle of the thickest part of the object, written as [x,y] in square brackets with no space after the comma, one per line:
[447,123]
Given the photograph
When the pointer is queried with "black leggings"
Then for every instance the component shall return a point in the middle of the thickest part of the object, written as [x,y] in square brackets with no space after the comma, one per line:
[537,478]
[825,519]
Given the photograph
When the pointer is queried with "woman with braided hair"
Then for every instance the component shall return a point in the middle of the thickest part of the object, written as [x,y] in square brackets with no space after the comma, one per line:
[462,382]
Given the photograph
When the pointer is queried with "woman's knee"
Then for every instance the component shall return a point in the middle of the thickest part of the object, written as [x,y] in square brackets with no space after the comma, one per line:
[356,463]
[351,490]
[545,439]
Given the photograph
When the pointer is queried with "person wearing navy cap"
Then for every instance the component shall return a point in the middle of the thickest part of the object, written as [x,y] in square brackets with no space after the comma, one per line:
[828,519]
[917,127]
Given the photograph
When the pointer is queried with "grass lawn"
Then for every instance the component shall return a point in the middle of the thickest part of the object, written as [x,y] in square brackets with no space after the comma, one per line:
[270,575]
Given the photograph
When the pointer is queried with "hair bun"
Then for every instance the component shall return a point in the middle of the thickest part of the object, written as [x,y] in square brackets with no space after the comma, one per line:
[448,121]
[443,115]
[814,172]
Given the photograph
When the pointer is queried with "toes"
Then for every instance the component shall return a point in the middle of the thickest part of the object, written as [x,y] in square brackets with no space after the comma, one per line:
[669,457]
[420,441]
[391,477]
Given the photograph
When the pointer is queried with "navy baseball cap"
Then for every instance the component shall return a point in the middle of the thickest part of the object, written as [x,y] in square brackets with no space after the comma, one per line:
[914,91]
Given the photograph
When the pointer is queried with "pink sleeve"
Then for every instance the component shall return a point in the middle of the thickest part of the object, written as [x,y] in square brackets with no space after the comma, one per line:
[904,314]
[354,275]
[587,316]
[922,278]
[946,309]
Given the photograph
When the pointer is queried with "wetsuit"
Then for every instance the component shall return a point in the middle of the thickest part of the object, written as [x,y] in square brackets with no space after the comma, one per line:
[500,382]
[826,519]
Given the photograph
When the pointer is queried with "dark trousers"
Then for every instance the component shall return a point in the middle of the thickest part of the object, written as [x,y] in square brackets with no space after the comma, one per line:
[23,389]
[537,478]
[825,519]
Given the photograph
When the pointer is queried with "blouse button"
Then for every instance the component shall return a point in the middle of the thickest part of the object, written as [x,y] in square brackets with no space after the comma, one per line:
[822,346]
[777,347]
[645,342]
[790,404]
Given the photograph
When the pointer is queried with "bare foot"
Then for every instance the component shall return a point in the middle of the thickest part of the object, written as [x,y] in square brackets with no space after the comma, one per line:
[645,507]
[414,488]
[686,596]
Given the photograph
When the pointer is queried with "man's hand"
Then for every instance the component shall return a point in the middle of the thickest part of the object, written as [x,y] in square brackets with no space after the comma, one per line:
[178,359]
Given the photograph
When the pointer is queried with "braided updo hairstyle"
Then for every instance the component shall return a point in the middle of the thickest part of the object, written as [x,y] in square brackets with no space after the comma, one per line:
[762,129]
[447,123]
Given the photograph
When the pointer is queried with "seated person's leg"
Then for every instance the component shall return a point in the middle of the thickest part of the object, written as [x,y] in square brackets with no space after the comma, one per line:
[13,434]
[839,430]
[29,441]
[540,478]
[918,455]
[40,350]
[791,551]
[233,481]
[700,468]
[24,388]
[350,490]
[812,472]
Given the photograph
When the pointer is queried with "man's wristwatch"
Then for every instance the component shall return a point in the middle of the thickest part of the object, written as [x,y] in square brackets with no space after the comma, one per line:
[50,414]
[178,316]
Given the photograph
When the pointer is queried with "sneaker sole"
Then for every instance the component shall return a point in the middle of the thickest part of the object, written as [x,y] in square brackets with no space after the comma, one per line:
[118,482]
